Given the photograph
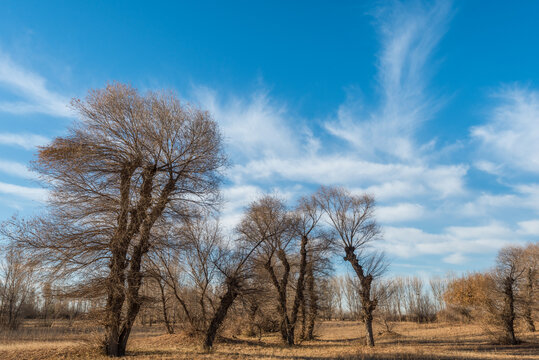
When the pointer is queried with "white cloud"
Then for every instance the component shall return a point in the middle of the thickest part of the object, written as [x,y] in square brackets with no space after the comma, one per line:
[16,169]
[454,242]
[520,197]
[529,227]
[384,180]
[252,127]
[26,141]
[238,197]
[400,212]
[32,89]
[511,136]
[489,167]
[455,258]
[409,35]
[31,193]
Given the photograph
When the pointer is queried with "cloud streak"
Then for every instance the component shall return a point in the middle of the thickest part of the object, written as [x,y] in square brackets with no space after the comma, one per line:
[409,36]
[510,137]
[30,193]
[16,169]
[25,141]
[34,95]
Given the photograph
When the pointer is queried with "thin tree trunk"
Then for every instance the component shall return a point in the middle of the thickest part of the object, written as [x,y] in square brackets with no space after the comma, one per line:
[253,308]
[528,304]
[170,328]
[226,302]
[313,304]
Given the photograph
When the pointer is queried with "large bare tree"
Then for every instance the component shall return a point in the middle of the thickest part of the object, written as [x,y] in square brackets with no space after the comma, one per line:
[130,164]
[351,217]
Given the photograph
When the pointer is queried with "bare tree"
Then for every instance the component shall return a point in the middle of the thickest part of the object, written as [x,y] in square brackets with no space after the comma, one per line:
[438,287]
[132,162]
[16,281]
[189,270]
[312,244]
[507,276]
[530,264]
[352,290]
[268,221]
[384,291]
[419,305]
[236,267]
[352,221]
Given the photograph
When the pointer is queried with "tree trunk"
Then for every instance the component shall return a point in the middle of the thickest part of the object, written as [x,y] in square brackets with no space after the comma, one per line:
[170,328]
[508,314]
[253,308]
[116,341]
[303,319]
[313,304]
[298,300]
[226,302]
[113,315]
[367,304]
[528,303]
[368,330]
[280,286]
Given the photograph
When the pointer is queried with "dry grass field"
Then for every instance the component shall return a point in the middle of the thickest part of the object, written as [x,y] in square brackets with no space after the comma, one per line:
[336,340]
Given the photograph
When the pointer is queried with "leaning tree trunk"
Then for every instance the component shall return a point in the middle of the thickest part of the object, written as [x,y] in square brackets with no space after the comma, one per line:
[226,302]
[367,304]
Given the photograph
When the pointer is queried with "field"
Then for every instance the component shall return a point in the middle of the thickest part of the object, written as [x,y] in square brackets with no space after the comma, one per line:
[336,340]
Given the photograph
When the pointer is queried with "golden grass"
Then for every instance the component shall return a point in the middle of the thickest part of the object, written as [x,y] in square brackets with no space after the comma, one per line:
[336,340]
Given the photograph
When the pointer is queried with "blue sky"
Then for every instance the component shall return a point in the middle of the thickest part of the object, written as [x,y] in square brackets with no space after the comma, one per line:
[431,106]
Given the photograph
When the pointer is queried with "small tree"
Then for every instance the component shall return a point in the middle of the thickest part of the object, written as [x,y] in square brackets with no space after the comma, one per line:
[352,220]
[507,276]
[16,286]
[492,297]
[529,287]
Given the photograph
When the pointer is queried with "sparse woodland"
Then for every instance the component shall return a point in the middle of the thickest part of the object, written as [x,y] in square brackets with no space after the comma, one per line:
[131,239]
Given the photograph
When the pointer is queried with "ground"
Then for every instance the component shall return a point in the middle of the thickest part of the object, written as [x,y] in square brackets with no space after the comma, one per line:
[336,340]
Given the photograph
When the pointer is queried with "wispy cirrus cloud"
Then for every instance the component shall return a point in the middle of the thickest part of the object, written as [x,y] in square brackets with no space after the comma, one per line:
[255,126]
[31,90]
[509,139]
[409,35]
[25,141]
[16,169]
[268,146]
[453,242]
[30,193]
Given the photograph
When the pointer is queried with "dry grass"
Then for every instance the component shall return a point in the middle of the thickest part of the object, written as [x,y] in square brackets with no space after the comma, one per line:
[336,340]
